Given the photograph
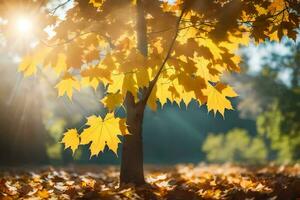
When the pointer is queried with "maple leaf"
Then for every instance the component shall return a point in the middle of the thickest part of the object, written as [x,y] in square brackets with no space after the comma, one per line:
[142,77]
[112,101]
[152,99]
[123,127]
[87,81]
[43,194]
[96,3]
[101,132]
[71,139]
[115,85]
[27,66]
[277,5]
[61,65]
[29,63]
[67,84]
[160,91]
[217,97]
[130,85]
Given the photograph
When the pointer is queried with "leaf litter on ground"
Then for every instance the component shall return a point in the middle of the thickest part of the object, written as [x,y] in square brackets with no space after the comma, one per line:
[182,182]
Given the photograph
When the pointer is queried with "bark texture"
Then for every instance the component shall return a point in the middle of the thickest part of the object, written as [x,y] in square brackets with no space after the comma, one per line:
[132,152]
[142,42]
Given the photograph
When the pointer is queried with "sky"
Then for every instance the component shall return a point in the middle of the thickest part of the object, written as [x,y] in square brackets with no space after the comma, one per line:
[256,53]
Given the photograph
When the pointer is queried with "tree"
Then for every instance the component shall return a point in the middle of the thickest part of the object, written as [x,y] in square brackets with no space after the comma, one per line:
[235,146]
[280,121]
[144,51]
[275,91]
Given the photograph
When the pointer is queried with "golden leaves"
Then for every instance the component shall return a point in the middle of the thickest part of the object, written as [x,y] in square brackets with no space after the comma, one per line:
[186,181]
[129,85]
[142,77]
[217,97]
[92,76]
[205,70]
[71,139]
[170,90]
[27,66]
[96,3]
[101,132]
[115,85]
[112,101]
[123,127]
[67,84]
[61,65]
[43,194]
[104,49]
[276,5]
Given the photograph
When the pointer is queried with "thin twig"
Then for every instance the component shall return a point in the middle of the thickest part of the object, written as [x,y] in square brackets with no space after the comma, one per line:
[59,6]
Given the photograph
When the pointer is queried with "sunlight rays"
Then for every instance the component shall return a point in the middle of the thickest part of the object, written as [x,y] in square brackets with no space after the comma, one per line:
[24,25]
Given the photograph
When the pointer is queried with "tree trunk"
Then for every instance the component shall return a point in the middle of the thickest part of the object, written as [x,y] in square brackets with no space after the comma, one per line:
[142,42]
[132,171]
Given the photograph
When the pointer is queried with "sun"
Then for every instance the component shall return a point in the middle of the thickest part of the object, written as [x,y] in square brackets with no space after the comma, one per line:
[24,25]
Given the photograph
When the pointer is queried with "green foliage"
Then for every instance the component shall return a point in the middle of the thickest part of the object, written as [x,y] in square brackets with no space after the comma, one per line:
[235,146]
[54,129]
[279,121]
[275,89]
[286,142]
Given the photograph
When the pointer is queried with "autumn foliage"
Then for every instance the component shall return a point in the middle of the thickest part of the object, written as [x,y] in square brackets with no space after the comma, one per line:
[181,182]
[145,53]
[154,51]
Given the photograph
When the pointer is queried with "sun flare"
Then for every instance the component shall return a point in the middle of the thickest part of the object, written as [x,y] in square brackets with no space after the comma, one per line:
[24,25]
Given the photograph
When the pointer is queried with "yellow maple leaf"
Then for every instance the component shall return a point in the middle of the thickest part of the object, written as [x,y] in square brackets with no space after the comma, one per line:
[96,3]
[94,75]
[93,82]
[67,84]
[28,66]
[158,46]
[43,194]
[274,36]
[142,77]
[161,91]
[112,101]
[211,45]
[123,127]
[61,65]
[130,85]
[217,97]
[71,139]
[276,5]
[152,99]
[116,83]
[30,62]
[101,132]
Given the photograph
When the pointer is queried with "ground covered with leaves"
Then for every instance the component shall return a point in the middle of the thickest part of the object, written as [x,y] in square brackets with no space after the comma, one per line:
[184,182]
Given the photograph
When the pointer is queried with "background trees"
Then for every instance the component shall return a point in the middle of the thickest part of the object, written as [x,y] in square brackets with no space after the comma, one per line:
[272,99]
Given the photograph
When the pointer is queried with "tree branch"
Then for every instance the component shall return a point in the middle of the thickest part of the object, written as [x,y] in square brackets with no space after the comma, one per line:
[59,6]
[108,40]
[155,79]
